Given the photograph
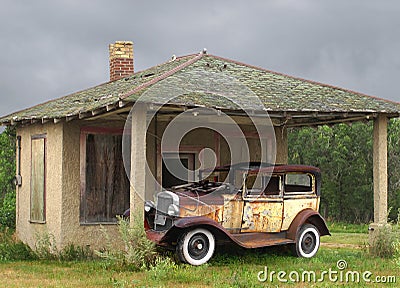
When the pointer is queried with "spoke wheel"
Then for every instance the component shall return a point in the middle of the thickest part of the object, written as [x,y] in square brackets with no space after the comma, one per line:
[196,247]
[307,241]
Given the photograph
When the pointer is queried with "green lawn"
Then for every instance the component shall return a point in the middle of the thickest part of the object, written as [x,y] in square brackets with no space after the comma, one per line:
[238,269]
[335,227]
[346,239]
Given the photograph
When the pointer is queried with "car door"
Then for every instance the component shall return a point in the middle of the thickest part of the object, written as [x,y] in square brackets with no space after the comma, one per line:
[299,194]
[263,203]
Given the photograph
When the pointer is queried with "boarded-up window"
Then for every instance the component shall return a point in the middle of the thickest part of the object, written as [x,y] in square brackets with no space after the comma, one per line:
[38,180]
[105,187]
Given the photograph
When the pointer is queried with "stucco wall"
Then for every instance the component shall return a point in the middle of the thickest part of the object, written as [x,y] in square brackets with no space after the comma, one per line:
[72,230]
[29,232]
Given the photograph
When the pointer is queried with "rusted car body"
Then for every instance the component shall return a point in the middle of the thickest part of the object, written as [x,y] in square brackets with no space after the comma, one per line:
[273,205]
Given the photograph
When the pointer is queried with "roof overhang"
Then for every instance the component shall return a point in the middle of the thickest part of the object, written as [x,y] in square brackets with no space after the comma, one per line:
[289,101]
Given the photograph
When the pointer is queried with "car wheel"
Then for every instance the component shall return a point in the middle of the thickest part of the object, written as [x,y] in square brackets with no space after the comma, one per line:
[196,247]
[307,241]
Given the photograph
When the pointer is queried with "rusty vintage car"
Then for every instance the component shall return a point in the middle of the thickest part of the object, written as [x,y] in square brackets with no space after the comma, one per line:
[274,205]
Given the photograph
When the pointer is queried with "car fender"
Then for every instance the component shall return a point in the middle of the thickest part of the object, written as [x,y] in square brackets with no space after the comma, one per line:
[307,216]
[183,224]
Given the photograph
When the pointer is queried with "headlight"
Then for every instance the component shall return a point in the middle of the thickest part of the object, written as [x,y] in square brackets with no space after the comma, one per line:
[148,206]
[173,210]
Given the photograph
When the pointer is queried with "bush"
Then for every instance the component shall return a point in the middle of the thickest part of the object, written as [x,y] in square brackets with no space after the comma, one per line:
[139,253]
[12,249]
[7,210]
[73,252]
[386,242]
[46,249]
[163,269]
[7,173]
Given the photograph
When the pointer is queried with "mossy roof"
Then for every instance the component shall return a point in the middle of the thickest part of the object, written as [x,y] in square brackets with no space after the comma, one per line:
[207,80]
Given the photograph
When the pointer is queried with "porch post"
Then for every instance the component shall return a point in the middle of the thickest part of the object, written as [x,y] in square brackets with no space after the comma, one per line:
[138,159]
[380,171]
[281,145]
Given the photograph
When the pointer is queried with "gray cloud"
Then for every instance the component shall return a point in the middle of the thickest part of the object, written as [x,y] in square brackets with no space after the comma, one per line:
[52,48]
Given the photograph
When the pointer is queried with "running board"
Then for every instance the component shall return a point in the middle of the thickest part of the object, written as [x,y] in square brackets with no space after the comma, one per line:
[258,240]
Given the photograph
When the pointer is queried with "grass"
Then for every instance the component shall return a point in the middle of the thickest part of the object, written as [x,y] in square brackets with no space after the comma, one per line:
[238,269]
[343,239]
[341,227]
[230,267]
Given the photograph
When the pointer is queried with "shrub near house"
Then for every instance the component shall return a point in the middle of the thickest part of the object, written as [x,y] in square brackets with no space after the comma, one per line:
[7,172]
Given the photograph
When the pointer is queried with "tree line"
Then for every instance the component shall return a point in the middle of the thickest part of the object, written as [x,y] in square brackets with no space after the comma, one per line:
[345,156]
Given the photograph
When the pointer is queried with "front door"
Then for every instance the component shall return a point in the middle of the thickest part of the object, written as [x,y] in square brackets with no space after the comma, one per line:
[263,204]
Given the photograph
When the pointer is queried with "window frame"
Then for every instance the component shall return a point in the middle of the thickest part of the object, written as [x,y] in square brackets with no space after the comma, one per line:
[83,221]
[312,190]
[264,184]
[189,156]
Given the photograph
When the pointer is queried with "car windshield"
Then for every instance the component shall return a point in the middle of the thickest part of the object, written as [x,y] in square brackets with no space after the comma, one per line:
[232,174]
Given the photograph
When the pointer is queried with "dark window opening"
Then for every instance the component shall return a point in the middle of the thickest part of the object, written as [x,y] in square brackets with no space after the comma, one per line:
[178,175]
[273,187]
[263,186]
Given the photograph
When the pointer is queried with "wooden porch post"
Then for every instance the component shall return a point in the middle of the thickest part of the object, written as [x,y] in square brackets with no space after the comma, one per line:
[138,160]
[380,171]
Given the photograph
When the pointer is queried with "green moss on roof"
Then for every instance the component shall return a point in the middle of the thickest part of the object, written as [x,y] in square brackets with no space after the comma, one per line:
[193,73]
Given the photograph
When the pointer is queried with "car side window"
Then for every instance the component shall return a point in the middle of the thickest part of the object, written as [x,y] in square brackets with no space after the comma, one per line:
[253,185]
[273,187]
[298,183]
[263,186]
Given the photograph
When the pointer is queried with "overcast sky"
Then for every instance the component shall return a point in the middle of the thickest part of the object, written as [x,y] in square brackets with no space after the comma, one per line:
[53,48]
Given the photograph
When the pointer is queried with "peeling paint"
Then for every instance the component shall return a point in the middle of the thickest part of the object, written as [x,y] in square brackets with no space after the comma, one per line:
[232,214]
[293,206]
[262,216]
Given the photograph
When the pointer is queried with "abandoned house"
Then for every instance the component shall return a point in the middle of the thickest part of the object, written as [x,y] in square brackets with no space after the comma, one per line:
[70,172]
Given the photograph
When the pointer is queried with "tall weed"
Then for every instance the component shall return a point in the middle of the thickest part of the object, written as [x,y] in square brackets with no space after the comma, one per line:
[73,252]
[46,249]
[139,253]
[45,246]
[386,241]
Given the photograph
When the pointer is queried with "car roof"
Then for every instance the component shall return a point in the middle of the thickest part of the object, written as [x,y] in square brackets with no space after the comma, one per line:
[283,168]
[239,166]
[264,167]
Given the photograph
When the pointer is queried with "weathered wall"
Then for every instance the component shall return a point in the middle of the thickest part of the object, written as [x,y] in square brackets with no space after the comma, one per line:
[255,149]
[27,231]
[72,230]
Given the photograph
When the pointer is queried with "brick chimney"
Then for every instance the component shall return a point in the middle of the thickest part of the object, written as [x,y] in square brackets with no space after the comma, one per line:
[121,59]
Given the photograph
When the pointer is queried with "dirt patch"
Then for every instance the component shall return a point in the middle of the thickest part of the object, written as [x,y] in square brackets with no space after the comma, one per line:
[342,245]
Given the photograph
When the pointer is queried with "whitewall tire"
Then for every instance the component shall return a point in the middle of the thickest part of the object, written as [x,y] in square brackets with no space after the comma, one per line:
[196,247]
[307,241]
